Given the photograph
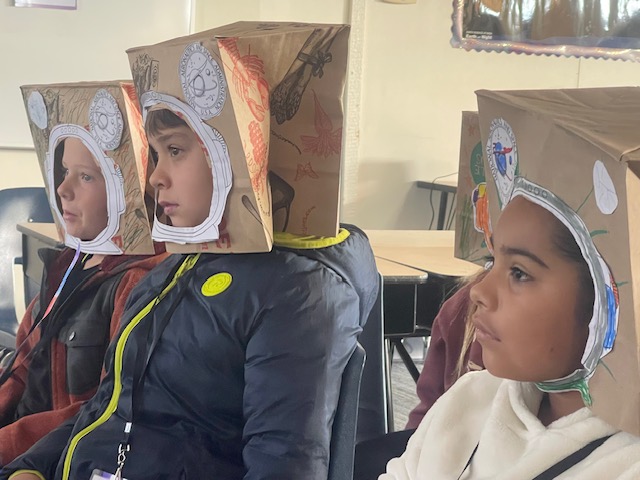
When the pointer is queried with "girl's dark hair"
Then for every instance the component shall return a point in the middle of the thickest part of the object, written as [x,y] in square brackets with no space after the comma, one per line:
[566,244]
[158,120]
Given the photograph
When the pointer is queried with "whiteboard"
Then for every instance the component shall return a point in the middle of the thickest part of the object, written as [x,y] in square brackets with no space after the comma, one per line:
[39,45]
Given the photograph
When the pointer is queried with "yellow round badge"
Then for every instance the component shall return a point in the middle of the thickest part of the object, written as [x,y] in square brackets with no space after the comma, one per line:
[216,284]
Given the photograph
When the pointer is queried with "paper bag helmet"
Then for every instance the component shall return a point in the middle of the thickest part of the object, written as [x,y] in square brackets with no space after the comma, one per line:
[576,153]
[265,101]
[105,118]
[473,223]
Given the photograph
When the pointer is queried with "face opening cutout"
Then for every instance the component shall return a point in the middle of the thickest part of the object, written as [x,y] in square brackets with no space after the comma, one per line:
[182,176]
[86,190]
[603,302]
[534,306]
[192,176]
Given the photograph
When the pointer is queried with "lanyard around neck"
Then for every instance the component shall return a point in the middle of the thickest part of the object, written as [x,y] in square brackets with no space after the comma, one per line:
[150,333]
[9,370]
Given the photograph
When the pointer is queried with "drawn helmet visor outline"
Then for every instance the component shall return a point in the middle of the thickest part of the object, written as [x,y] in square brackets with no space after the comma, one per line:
[218,155]
[604,321]
[103,243]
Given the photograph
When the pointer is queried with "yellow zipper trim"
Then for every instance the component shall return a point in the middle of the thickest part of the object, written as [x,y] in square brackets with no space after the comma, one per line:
[187,264]
[32,472]
[308,242]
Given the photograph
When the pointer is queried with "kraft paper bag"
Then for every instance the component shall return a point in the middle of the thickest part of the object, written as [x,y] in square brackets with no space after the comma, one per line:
[576,152]
[271,93]
[472,214]
[106,118]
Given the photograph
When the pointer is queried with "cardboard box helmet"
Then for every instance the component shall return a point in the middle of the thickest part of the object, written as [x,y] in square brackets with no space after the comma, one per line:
[472,221]
[576,154]
[102,120]
[265,101]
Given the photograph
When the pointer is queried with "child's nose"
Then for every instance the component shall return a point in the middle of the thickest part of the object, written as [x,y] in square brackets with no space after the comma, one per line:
[64,189]
[158,178]
[482,292]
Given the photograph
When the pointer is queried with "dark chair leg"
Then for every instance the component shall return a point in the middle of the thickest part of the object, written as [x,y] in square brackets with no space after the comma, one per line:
[406,358]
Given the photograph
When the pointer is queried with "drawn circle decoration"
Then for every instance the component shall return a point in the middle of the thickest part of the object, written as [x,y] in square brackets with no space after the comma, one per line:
[216,284]
[37,110]
[604,189]
[105,120]
[502,154]
[202,80]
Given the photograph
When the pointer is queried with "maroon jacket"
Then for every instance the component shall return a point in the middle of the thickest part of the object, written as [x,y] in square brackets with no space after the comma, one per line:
[439,370]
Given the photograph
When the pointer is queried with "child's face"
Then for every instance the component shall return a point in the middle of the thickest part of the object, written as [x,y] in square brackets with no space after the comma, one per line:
[526,305]
[83,193]
[182,177]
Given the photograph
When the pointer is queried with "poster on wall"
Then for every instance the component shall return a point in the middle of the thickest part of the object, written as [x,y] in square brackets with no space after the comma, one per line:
[585,28]
[62,4]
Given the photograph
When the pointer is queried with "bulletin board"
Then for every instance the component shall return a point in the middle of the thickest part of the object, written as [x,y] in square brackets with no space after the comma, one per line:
[40,45]
[587,28]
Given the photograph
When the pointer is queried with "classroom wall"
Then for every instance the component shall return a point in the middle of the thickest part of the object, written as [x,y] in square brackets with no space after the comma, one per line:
[46,45]
[410,84]
[412,90]
[213,13]
[414,87]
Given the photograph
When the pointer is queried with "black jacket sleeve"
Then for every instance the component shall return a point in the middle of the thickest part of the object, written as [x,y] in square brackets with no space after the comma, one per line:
[44,456]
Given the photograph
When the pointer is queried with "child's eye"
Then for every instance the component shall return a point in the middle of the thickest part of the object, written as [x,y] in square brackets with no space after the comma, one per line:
[65,172]
[488,262]
[518,275]
[174,151]
[86,178]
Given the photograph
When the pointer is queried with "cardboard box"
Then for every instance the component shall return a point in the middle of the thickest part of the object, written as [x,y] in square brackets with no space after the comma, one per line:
[577,153]
[105,116]
[273,94]
[472,215]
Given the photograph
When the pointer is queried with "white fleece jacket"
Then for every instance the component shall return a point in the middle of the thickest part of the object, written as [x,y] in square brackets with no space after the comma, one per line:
[513,443]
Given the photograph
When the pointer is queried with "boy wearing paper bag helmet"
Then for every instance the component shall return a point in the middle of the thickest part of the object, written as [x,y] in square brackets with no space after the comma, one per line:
[231,353]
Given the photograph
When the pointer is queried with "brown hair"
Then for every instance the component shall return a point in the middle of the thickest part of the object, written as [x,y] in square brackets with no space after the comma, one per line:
[469,329]
[158,120]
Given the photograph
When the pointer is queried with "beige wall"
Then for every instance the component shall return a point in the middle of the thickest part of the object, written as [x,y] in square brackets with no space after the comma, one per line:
[213,13]
[20,169]
[46,45]
[412,88]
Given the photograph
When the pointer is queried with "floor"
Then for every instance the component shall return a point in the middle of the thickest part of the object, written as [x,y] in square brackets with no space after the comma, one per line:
[402,385]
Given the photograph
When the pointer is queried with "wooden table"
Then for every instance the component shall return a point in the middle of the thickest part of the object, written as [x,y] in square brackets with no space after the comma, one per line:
[430,251]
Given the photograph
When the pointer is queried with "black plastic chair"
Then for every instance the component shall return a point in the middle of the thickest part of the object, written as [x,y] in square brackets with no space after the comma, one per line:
[430,297]
[343,435]
[17,205]
[375,414]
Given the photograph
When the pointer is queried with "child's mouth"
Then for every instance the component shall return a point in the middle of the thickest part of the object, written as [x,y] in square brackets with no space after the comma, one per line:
[168,208]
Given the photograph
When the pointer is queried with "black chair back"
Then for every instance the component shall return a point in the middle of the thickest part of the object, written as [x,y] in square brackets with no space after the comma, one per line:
[343,435]
[374,412]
